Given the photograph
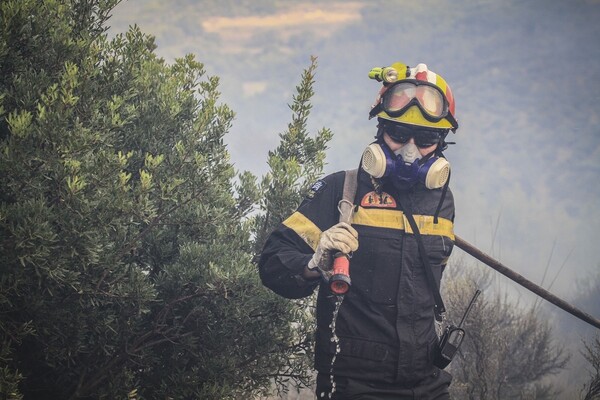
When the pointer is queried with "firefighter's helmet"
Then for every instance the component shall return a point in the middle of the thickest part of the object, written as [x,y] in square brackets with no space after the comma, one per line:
[414,96]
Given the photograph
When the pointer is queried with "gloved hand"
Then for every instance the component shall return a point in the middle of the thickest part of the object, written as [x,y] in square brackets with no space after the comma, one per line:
[341,237]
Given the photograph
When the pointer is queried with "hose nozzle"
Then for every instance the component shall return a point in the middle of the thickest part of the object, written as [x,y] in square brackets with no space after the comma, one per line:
[340,282]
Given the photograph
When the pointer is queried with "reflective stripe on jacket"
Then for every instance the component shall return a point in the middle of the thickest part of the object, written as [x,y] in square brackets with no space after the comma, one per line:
[386,321]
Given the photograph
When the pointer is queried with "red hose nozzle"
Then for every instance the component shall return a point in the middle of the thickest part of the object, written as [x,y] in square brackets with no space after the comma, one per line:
[339,283]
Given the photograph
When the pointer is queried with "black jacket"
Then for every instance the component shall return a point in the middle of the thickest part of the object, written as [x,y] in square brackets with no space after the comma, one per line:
[386,321]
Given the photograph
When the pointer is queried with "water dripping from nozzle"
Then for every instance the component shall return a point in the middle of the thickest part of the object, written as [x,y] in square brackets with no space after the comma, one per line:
[336,340]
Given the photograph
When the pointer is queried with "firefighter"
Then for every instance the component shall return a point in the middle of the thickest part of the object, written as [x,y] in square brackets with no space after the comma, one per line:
[385,339]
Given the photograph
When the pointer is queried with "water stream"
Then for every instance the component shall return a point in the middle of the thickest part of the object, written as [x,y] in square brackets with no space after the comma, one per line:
[336,340]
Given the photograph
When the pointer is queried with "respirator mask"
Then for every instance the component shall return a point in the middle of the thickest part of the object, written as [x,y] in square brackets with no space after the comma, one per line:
[407,166]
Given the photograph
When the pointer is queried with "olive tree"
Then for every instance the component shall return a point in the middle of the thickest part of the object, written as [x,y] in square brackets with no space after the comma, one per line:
[127,238]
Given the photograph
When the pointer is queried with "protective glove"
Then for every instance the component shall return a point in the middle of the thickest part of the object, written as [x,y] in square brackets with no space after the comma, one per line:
[341,237]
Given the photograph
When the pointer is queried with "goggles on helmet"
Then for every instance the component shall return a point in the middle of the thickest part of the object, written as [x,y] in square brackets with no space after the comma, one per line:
[429,98]
[423,137]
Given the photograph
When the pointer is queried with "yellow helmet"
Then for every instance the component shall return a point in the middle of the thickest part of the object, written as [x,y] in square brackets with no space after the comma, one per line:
[414,96]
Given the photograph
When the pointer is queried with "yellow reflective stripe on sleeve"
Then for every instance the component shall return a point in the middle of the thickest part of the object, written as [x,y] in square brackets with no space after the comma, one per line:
[394,219]
[305,228]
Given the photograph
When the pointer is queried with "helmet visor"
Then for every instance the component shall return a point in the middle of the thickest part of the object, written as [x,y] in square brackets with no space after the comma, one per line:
[399,97]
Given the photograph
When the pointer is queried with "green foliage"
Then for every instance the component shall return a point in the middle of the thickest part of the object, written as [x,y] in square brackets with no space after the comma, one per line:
[296,163]
[127,249]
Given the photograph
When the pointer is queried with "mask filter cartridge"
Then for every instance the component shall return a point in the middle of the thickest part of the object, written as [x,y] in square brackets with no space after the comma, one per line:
[375,160]
[438,173]
[379,161]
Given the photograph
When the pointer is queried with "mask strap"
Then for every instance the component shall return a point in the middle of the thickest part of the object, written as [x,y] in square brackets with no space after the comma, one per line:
[381,142]
[426,157]
[442,145]
[444,191]
[380,131]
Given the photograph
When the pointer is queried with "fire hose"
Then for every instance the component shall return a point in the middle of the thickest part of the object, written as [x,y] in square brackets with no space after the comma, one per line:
[521,280]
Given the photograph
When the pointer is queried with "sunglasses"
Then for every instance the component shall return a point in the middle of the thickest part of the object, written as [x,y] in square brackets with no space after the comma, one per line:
[423,137]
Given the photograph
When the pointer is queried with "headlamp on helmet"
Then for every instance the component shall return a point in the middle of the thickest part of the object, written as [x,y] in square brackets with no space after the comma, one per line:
[389,74]
[414,96]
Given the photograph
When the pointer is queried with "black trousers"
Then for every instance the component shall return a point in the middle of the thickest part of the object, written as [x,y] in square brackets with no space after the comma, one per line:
[434,387]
